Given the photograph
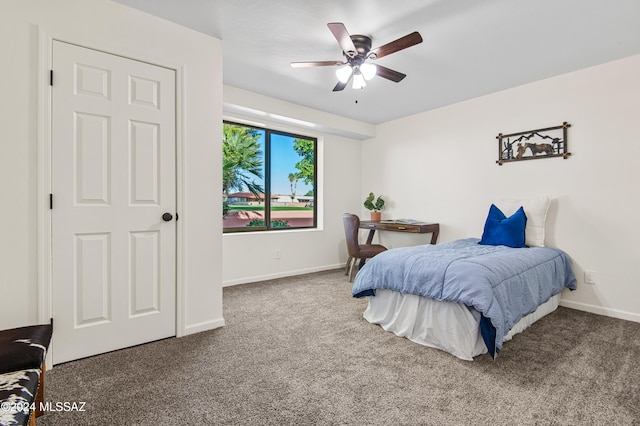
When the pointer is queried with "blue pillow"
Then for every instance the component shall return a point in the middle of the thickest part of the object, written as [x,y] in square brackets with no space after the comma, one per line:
[500,230]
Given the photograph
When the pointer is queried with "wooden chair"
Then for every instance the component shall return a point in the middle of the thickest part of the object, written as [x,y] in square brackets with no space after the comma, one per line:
[358,253]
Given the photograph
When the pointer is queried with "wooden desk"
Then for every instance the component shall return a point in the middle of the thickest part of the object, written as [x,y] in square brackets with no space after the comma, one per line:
[389,225]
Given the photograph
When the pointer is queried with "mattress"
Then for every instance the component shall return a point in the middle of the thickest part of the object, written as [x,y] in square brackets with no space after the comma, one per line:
[449,326]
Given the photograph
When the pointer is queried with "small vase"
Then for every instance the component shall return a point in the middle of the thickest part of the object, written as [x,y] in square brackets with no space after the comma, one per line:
[376,216]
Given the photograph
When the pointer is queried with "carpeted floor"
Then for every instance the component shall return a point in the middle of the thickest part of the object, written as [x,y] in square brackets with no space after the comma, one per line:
[296,351]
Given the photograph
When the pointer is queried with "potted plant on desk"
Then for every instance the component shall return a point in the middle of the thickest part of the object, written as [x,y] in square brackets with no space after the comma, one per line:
[375,205]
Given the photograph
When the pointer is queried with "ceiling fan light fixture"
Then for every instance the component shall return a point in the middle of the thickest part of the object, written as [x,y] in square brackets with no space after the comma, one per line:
[358,80]
[344,73]
[368,71]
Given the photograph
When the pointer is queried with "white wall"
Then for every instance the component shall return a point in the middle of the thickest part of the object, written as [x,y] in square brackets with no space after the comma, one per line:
[441,166]
[250,257]
[24,26]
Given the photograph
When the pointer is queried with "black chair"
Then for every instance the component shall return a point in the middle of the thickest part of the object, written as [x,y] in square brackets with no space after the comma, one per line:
[358,253]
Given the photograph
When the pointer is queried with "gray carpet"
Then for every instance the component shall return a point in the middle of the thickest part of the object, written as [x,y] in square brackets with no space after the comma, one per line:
[297,351]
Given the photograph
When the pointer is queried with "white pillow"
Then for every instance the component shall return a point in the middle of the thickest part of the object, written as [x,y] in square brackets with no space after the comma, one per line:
[536,211]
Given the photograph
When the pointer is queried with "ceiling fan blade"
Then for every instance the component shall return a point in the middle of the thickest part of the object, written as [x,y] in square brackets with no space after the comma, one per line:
[340,86]
[389,74]
[341,34]
[315,64]
[399,44]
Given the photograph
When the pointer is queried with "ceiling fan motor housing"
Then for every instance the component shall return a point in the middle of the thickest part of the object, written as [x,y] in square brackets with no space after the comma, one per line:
[363,47]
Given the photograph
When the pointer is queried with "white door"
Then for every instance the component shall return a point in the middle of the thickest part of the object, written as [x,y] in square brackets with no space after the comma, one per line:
[113,178]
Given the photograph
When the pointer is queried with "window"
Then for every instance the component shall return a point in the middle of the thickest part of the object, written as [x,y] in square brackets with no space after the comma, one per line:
[269,179]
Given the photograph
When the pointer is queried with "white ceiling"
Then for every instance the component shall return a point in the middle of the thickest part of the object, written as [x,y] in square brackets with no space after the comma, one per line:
[471,47]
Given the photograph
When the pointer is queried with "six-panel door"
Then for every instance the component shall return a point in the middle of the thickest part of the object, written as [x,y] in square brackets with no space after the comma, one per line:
[113,177]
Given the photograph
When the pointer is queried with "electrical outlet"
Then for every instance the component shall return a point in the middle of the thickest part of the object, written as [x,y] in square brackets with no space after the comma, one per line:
[276,254]
[589,277]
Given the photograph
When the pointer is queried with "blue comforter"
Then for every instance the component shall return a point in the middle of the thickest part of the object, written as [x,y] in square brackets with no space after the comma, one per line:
[504,284]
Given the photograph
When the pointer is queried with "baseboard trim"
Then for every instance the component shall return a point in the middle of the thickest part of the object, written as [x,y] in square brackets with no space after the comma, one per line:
[599,310]
[203,326]
[283,274]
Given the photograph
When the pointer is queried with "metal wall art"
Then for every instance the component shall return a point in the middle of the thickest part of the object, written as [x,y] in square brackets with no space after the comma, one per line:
[533,144]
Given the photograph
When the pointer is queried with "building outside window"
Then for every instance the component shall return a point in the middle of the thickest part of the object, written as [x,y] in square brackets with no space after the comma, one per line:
[269,179]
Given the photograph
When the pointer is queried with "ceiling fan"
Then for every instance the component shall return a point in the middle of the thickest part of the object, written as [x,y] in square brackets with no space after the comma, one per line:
[357,52]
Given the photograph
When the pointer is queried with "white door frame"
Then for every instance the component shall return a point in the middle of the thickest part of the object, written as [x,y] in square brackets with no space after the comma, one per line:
[45,63]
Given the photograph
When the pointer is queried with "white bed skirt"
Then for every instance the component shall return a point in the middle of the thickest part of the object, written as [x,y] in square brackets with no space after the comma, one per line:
[448,326]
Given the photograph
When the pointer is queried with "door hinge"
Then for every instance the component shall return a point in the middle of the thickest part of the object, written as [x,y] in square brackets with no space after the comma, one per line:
[50,201]
[51,78]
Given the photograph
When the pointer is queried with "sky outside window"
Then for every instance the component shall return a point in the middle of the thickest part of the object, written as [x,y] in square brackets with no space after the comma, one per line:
[283,162]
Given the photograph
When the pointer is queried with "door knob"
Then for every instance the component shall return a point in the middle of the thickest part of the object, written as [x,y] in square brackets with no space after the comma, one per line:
[167,217]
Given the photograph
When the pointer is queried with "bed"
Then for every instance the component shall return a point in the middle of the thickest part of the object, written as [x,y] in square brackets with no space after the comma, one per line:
[469,296]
